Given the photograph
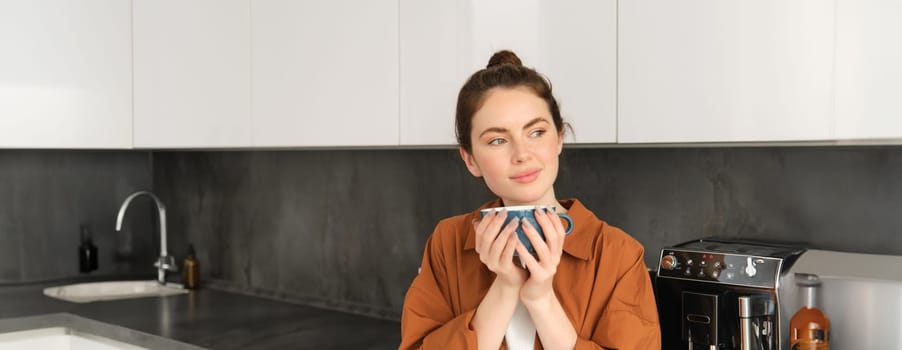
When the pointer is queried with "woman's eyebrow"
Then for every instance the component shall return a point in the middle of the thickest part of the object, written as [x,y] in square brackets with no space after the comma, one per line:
[493,129]
[498,129]
[534,122]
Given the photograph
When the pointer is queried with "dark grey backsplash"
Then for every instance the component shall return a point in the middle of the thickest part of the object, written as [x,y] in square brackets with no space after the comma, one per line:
[47,195]
[339,229]
[345,229]
[831,198]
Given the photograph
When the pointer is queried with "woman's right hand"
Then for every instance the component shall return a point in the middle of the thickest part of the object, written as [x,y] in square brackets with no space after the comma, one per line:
[496,249]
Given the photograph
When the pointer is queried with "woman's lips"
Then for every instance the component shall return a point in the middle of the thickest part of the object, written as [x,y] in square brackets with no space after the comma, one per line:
[526,176]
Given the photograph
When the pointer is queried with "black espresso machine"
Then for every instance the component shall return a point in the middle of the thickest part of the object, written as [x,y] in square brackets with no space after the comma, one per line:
[720,294]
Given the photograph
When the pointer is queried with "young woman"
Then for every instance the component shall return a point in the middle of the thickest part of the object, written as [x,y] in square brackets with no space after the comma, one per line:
[588,290]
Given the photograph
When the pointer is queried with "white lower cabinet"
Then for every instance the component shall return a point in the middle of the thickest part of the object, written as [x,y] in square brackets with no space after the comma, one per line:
[65,74]
[869,69]
[324,73]
[572,42]
[725,71]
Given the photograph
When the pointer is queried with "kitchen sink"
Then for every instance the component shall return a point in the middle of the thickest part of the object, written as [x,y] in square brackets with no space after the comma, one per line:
[59,338]
[97,291]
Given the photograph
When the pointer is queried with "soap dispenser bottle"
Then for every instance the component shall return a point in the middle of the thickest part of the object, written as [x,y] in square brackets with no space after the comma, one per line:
[87,252]
[191,269]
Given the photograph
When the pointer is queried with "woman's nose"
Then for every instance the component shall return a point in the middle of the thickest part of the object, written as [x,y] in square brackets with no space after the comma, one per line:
[521,153]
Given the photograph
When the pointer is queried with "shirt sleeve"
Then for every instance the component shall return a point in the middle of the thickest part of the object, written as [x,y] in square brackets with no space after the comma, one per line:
[630,320]
[428,320]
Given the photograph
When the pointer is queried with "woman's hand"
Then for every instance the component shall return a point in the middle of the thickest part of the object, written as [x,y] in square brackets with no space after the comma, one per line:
[496,250]
[541,272]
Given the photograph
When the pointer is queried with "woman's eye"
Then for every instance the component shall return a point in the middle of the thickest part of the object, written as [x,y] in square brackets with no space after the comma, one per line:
[537,133]
[496,141]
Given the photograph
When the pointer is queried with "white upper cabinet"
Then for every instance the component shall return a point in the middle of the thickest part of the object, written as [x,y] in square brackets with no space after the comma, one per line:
[572,42]
[324,73]
[65,74]
[726,70]
[869,69]
[192,73]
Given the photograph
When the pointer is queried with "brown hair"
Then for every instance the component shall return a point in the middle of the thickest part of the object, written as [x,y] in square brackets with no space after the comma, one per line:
[506,71]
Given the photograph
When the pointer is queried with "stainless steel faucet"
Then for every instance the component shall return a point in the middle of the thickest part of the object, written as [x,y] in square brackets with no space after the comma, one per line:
[164,262]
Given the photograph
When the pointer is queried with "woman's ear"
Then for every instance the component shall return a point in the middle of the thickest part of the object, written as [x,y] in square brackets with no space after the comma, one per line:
[470,162]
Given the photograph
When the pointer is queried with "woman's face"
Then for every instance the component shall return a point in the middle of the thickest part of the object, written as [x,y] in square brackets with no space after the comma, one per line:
[515,146]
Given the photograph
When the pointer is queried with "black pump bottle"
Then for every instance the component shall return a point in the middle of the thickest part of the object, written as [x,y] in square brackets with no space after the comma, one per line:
[87,252]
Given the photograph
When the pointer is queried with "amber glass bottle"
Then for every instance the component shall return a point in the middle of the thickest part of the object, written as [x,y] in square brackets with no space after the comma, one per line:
[191,269]
[809,328]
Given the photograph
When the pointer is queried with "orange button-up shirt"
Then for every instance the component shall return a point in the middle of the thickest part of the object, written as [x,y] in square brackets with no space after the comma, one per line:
[601,282]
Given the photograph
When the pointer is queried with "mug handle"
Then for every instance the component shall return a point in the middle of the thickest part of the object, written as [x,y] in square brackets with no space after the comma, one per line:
[569,222]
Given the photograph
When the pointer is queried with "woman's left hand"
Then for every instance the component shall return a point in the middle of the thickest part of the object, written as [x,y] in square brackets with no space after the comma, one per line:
[541,272]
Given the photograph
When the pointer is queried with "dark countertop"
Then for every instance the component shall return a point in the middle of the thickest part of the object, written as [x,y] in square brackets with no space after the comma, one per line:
[216,319]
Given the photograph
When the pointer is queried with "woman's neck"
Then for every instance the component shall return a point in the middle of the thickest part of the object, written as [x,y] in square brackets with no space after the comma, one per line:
[552,201]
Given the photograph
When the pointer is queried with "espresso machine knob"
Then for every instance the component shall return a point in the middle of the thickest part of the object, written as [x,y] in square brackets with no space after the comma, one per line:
[715,273]
[669,262]
[750,269]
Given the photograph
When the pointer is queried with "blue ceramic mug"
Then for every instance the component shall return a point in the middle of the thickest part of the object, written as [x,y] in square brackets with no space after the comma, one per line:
[527,213]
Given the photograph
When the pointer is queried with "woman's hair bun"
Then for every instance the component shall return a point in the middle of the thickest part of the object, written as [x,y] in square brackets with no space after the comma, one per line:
[504,57]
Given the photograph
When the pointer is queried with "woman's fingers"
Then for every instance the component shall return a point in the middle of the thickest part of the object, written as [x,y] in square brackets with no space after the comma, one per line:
[560,227]
[510,247]
[479,225]
[497,241]
[498,246]
[479,228]
[527,259]
[537,243]
[488,230]
[544,220]
[554,235]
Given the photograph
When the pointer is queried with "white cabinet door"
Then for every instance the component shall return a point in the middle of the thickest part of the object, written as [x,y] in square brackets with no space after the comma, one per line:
[192,73]
[725,70]
[65,74]
[869,69]
[572,42]
[324,73]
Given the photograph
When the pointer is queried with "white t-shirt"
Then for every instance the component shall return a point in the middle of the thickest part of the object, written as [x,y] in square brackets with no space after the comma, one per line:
[521,332]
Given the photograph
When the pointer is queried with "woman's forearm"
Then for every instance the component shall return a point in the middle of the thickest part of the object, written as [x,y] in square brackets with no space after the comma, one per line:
[554,328]
[494,314]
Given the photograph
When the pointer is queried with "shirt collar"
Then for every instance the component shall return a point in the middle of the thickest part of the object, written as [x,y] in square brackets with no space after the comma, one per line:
[579,243]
